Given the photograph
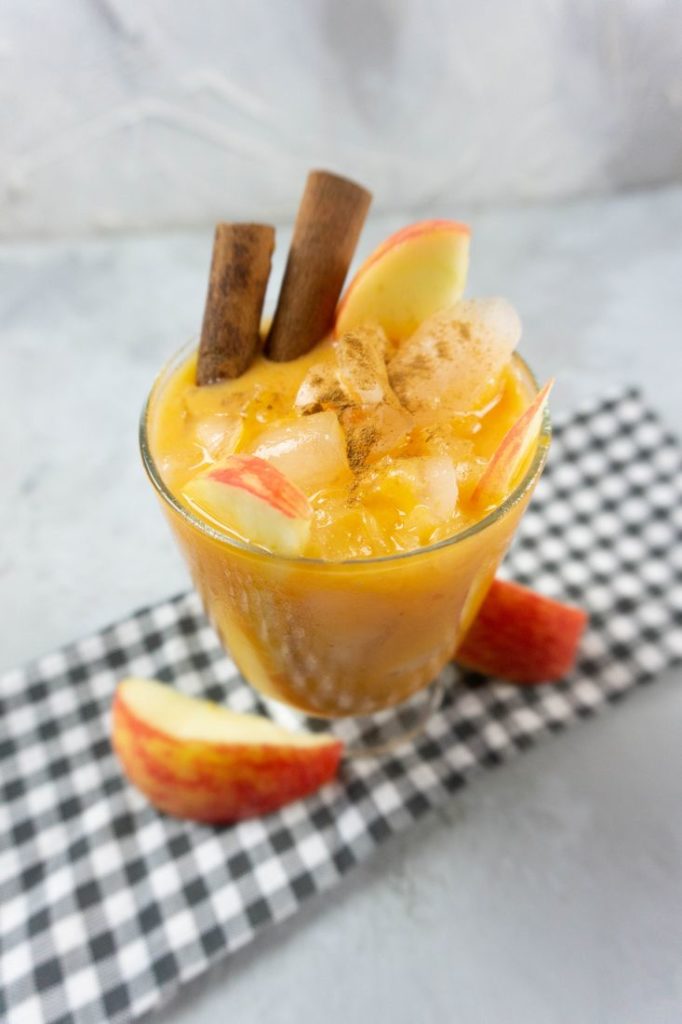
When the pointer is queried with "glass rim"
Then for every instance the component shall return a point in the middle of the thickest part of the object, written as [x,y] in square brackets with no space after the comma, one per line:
[164,492]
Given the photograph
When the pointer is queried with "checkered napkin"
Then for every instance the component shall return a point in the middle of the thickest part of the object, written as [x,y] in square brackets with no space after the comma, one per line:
[107,907]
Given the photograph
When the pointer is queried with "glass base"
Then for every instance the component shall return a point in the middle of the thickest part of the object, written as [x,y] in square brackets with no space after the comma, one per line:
[369,735]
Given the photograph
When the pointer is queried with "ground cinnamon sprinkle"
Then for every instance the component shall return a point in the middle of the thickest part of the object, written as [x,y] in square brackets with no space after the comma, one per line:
[364,363]
[335,398]
[359,444]
[419,366]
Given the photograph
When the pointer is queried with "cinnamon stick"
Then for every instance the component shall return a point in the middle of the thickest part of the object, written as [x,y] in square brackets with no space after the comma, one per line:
[328,225]
[240,267]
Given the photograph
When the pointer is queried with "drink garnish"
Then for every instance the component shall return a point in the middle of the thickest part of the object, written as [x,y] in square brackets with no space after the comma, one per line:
[240,267]
[327,228]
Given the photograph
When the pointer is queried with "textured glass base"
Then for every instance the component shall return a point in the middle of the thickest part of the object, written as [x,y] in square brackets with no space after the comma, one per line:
[370,735]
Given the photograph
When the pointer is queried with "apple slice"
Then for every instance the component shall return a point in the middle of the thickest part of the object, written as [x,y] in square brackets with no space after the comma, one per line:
[414,273]
[514,449]
[251,497]
[521,636]
[195,759]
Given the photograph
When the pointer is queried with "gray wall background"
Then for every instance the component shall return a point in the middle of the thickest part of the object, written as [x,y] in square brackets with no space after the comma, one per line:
[119,114]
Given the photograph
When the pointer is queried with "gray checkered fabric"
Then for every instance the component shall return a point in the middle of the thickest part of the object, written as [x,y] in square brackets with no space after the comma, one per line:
[106,907]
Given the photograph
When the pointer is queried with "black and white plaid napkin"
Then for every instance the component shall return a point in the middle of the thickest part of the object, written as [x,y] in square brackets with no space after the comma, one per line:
[106,907]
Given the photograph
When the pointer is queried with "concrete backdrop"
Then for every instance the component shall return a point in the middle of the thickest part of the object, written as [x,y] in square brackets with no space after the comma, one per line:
[119,114]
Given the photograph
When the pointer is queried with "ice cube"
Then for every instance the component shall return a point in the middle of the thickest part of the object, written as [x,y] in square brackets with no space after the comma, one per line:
[439,492]
[454,360]
[218,435]
[373,431]
[310,451]
[357,376]
[320,389]
[360,356]
[427,481]
[347,529]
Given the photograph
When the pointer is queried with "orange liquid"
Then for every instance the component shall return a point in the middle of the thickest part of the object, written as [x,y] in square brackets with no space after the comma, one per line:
[371,614]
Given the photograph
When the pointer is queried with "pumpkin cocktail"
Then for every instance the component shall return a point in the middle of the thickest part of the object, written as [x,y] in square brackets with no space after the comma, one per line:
[344,486]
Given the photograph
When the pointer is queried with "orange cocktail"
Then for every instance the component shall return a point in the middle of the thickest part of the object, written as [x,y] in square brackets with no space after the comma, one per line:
[344,485]
[389,577]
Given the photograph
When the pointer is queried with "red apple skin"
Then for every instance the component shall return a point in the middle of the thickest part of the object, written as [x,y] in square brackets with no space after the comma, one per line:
[422,227]
[216,783]
[252,497]
[390,245]
[263,481]
[505,463]
[521,636]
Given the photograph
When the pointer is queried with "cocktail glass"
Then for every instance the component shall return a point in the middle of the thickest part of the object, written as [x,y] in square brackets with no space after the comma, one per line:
[344,639]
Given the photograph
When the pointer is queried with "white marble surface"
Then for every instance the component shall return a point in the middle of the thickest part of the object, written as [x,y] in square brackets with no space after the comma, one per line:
[118,114]
[548,892]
